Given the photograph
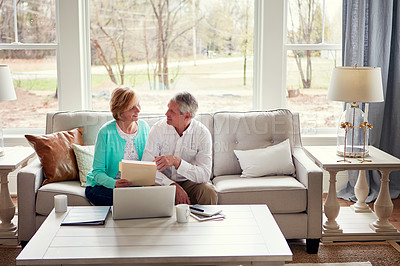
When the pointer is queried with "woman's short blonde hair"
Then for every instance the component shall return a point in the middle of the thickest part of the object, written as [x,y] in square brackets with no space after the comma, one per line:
[122,99]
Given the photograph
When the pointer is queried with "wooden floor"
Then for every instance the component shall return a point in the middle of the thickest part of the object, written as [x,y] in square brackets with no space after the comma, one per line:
[394,219]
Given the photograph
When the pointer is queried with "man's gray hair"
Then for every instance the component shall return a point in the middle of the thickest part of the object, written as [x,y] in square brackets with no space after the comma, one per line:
[187,103]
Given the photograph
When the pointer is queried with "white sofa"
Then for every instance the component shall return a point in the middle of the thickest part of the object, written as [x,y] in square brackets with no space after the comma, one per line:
[295,202]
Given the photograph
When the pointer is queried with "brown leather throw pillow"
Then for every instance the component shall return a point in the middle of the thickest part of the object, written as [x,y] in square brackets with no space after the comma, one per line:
[56,154]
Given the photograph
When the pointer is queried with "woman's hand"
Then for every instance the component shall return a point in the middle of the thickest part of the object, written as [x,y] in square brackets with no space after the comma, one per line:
[181,197]
[122,183]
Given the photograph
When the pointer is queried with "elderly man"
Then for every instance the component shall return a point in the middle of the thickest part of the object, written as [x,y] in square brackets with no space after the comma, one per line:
[181,148]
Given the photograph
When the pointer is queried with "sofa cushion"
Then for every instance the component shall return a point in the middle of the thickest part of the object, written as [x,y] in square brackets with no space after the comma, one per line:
[275,191]
[84,158]
[73,190]
[273,160]
[56,154]
[247,131]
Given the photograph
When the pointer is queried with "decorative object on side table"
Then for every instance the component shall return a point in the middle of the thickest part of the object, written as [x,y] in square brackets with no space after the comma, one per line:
[355,85]
[346,126]
[365,126]
[7,93]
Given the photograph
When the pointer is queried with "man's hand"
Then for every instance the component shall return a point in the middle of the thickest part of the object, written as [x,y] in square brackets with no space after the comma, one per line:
[165,161]
[181,197]
[122,183]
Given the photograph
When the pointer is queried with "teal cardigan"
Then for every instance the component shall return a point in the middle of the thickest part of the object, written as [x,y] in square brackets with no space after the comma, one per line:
[110,150]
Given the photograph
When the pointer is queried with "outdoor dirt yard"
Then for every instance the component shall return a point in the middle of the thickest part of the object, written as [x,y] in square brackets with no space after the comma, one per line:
[221,93]
[29,110]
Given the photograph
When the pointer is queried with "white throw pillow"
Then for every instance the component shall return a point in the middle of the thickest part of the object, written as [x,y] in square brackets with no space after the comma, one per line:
[84,158]
[273,160]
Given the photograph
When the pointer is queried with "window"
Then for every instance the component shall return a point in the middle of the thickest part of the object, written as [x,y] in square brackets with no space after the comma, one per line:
[28,45]
[313,49]
[203,46]
[260,24]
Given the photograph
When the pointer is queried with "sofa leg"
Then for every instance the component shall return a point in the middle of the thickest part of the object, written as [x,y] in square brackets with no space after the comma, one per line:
[23,243]
[312,245]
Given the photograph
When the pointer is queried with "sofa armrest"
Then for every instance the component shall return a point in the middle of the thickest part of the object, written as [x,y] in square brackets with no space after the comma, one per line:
[29,180]
[310,175]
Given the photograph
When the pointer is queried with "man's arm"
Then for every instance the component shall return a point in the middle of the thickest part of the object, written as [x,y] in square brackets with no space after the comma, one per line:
[152,150]
[199,171]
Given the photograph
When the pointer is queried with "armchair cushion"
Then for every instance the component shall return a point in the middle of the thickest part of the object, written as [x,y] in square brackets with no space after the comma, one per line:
[56,154]
[272,160]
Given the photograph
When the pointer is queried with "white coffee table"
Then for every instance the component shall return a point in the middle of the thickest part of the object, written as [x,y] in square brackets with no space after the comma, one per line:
[248,235]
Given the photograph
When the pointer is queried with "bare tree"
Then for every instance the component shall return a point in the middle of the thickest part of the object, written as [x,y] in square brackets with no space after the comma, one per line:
[102,38]
[308,12]
[168,32]
[246,41]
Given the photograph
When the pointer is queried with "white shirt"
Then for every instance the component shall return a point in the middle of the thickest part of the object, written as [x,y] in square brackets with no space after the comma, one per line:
[194,148]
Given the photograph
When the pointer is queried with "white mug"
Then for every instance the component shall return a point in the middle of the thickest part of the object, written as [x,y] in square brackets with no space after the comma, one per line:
[60,203]
[182,213]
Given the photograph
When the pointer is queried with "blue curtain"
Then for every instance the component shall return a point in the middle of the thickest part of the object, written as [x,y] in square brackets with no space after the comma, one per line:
[371,37]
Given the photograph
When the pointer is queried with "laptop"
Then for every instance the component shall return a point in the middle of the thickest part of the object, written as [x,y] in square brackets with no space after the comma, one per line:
[143,202]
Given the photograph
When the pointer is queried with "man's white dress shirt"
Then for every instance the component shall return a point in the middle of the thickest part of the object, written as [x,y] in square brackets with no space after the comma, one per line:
[194,148]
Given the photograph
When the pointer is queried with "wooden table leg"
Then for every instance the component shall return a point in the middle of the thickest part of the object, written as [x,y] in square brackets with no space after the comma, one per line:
[361,190]
[332,207]
[7,207]
[383,206]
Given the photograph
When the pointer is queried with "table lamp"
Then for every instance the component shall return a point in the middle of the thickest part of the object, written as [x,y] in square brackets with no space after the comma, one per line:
[7,93]
[354,85]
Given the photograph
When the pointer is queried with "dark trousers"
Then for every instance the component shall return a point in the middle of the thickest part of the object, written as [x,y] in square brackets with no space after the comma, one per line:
[99,195]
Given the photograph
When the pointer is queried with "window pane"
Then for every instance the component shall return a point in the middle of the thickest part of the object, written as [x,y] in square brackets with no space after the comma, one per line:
[218,69]
[312,22]
[36,21]
[307,93]
[333,22]
[34,74]
[304,21]
[7,21]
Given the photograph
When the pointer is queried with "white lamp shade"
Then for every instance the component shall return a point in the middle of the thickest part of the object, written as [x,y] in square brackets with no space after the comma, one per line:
[7,92]
[356,84]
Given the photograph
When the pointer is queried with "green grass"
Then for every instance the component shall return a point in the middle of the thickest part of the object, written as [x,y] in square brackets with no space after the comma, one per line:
[321,72]
[222,76]
[36,84]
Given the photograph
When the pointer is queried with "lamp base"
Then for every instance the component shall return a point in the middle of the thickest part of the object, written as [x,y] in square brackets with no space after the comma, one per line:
[355,152]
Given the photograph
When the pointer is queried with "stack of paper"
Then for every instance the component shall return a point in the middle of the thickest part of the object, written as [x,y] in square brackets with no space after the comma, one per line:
[140,173]
[206,212]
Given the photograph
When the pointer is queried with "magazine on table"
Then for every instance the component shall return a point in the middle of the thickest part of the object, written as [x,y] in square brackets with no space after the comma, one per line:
[202,218]
[205,210]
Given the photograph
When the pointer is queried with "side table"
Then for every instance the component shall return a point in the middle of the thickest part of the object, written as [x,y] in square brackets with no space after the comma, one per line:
[12,159]
[359,222]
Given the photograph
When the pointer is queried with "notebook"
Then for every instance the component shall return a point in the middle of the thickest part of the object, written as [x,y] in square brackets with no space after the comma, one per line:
[143,202]
[140,173]
[86,215]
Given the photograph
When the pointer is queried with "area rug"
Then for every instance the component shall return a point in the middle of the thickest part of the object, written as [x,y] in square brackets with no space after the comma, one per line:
[333,264]
[8,254]
[329,254]
[377,253]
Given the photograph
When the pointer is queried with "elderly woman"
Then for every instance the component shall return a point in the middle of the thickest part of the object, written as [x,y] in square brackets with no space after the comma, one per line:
[122,138]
